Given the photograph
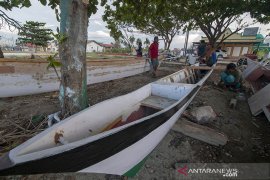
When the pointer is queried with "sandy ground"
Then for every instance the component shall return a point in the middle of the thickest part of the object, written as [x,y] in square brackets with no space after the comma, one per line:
[248,143]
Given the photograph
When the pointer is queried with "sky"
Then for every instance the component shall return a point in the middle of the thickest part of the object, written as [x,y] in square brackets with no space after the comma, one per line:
[96,30]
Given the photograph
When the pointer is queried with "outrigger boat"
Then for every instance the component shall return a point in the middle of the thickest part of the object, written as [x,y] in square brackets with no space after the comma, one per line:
[114,136]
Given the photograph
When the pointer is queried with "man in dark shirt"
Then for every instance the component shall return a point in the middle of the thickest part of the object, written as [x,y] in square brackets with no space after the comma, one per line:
[153,54]
[202,51]
[139,50]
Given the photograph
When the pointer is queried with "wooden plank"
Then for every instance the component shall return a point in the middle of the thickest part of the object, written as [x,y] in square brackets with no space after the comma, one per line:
[7,69]
[224,62]
[200,132]
[174,63]
[111,125]
[186,79]
[259,100]
[206,67]
[191,75]
[157,102]
[255,74]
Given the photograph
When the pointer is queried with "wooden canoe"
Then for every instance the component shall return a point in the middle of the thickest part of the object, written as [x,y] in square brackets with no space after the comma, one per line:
[111,137]
[18,78]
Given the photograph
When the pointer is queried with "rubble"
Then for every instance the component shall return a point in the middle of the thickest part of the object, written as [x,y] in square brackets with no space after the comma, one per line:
[203,114]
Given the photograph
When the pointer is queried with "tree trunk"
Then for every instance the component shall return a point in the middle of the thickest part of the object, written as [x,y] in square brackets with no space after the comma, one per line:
[73,89]
[169,43]
[165,44]
[211,48]
[1,53]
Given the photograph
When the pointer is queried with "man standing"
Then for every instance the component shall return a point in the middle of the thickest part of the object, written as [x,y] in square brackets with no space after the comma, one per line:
[139,50]
[153,54]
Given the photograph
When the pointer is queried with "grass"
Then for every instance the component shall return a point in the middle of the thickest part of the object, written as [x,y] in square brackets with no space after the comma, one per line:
[93,55]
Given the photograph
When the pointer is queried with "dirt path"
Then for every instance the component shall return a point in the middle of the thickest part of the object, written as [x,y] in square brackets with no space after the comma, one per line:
[247,142]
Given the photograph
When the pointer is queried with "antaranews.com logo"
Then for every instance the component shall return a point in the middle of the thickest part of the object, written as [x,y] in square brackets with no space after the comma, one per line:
[223,170]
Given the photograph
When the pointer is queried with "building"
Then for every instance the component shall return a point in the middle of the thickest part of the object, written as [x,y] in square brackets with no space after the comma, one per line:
[239,43]
[29,47]
[52,46]
[94,46]
[262,46]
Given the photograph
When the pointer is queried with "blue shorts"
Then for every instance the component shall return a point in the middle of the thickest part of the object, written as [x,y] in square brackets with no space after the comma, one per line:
[154,63]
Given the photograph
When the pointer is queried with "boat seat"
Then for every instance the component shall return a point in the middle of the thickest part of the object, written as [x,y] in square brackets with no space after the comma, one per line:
[157,102]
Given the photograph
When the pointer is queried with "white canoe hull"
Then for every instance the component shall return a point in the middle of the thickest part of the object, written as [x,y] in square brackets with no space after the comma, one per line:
[34,78]
[125,160]
[115,151]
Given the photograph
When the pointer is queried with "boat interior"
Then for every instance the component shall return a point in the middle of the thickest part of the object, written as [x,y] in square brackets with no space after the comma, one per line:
[187,75]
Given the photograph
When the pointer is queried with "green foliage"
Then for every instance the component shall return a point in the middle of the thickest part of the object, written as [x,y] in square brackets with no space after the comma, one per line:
[9,4]
[92,7]
[260,10]
[35,33]
[148,16]
[60,37]
[53,63]
[131,39]
[120,50]
[261,53]
[213,17]
[52,3]
[147,42]
[138,41]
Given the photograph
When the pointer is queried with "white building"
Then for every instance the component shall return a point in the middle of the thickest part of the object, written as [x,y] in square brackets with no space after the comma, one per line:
[52,46]
[93,46]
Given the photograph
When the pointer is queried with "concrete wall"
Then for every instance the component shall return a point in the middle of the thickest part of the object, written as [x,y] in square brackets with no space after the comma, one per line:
[236,50]
[93,47]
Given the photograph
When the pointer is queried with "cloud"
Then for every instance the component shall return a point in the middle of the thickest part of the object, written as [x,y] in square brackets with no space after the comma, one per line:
[97,34]
[98,22]
[179,40]
[97,28]
[100,36]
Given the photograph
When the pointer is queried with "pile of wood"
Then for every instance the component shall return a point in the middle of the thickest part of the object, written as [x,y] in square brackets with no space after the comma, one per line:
[197,130]
[14,132]
[258,75]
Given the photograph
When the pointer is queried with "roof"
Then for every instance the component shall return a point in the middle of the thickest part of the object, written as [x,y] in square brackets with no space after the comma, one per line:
[259,36]
[262,46]
[88,41]
[101,44]
[106,45]
[239,38]
[29,45]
